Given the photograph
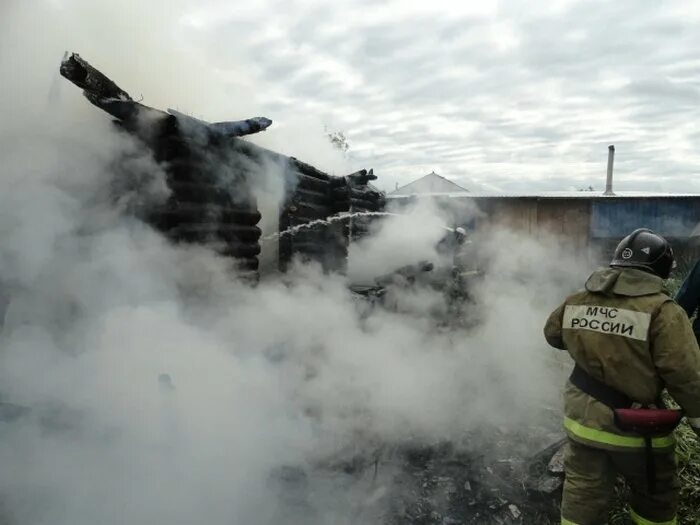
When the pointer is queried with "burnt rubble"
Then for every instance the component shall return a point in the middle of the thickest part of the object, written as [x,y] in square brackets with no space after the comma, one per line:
[439,484]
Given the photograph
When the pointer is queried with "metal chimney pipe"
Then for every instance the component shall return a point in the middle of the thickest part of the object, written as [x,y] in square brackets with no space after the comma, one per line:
[609,181]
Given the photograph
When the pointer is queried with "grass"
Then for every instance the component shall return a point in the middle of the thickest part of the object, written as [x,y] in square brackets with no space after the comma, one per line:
[688,453]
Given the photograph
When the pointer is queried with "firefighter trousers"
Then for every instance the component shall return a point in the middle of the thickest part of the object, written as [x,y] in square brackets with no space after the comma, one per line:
[590,480]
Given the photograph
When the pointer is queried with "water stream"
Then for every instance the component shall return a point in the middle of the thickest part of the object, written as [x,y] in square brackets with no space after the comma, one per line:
[342,216]
[326,222]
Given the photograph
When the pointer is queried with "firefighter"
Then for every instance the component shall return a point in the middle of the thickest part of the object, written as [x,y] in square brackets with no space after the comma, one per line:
[688,296]
[629,340]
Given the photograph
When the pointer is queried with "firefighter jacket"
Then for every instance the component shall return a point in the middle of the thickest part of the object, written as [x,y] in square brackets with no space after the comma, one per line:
[625,331]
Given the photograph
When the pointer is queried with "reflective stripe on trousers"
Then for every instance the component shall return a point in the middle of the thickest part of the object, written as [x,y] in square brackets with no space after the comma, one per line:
[638,520]
[608,438]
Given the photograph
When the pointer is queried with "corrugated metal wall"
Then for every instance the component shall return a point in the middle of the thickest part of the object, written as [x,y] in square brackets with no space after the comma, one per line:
[595,226]
[567,219]
[591,225]
[513,214]
[592,218]
[615,218]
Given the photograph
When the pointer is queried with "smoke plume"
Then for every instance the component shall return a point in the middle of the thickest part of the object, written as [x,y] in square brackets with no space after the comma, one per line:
[160,390]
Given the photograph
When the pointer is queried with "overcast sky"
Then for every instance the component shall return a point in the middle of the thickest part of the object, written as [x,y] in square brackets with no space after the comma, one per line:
[510,94]
[514,95]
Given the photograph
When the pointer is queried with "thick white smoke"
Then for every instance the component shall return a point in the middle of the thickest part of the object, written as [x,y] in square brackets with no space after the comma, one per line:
[410,235]
[161,391]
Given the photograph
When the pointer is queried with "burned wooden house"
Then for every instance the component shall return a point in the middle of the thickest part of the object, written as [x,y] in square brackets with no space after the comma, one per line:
[211,173]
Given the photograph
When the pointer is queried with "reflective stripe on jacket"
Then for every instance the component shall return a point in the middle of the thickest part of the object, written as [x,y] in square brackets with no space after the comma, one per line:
[626,332]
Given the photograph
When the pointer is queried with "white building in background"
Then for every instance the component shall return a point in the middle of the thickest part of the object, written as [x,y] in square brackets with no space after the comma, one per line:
[430,183]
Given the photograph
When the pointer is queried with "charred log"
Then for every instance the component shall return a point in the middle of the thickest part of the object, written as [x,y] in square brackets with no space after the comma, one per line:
[236,128]
[207,170]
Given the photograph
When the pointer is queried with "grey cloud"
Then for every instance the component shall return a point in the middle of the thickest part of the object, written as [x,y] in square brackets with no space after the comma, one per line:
[662,88]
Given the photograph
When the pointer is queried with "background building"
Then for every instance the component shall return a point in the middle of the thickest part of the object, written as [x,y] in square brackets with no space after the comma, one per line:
[591,222]
[430,183]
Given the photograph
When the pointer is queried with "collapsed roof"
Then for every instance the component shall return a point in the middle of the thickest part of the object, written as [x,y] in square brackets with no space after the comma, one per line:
[211,173]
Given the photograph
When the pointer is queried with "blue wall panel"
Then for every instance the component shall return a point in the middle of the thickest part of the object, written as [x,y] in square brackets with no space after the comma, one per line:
[668,217]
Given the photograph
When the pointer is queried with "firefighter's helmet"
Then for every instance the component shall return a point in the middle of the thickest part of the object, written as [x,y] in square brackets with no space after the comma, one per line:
[645,250]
